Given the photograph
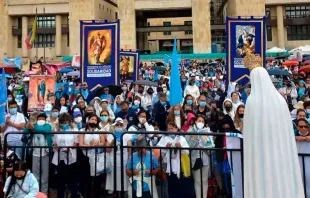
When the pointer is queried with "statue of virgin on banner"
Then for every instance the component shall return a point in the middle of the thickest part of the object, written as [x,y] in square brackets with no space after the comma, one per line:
[271,165]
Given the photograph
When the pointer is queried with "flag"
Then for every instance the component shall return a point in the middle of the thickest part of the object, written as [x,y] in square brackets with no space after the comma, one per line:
[13,62]
[34,31]
[156,77]
[32,35]
[3,97]
[27,41]
[166,59]
[175,81]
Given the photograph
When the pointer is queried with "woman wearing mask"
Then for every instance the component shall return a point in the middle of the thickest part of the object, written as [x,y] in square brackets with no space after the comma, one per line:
[105,121]
[136,105]
[90,110]
[238,121]
[22,183]
[40,157]
[177,116]
[228,108]
[82,104]
[166,91]
[141,125]
[290,94]
[77,120]
[176,186]
[125,92]
[200,159]
[192,89]
[92,140]
[63,104]
[148,97]
[301,90]
[117,104]
[189,101]
[53,119]
[66,158]
[106,106]
[118,128]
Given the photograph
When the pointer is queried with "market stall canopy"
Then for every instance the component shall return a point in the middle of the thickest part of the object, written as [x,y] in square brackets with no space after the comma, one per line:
[278,72]
[290,63]
[307,62]
[276,50]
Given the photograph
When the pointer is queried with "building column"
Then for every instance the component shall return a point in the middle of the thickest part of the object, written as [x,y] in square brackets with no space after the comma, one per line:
[201,26]
[58,36]
[280,27]
[127,16]
[24,36]
[179,45]
[157,45]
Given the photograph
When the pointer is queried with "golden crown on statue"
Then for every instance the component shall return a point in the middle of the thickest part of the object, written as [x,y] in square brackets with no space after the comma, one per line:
[252,61]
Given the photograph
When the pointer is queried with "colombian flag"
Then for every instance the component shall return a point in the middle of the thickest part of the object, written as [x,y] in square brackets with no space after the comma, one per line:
[32,35]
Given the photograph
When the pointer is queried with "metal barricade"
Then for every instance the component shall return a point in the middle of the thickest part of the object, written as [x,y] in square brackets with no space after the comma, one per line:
[186,186]
[82,169]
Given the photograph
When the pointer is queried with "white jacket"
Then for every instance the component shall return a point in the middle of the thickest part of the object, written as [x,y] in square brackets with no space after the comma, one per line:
[192,90]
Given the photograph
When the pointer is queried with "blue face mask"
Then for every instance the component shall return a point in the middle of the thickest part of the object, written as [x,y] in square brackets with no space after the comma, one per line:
[65,127]
[13,111]
[10,99]
[202,103]
[235,101]
[150,108]
[47,113]
[176,112]
[308,111]
[104,118]
[135,106]
[163,103]
[55,114]
[172,136]
[189,102]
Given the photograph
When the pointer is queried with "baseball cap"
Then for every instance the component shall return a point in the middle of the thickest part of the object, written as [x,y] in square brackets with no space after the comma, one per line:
[76,114]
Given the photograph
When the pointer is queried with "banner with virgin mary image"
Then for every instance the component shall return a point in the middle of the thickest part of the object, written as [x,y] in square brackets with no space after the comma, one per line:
[244,35]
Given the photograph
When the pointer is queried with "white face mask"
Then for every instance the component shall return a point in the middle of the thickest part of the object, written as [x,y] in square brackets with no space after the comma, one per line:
[40,122]
[141,120]
[136,102]
[221,77]
[78,120]
[165,90]
[200,125]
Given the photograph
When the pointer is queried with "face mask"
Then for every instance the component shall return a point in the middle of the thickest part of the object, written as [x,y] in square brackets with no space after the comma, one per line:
[13,111]
[163,103]
[118,129]
[189,102]
[200,125]
[172,136]
[241,116]
[104,118]
[141,120]
[235,101]
[55,114]
[140,91]
[183,80]
[150,108]
[124,88]
[136,102]
[65,127]
[150,92]
[237,89]
[176,112]
[92,125]
[40,122]
[78,120]
[228,108]
[10,99]
[214,89]
[202,103]
[221,77]
[308,111]
[165,90]
[47,113]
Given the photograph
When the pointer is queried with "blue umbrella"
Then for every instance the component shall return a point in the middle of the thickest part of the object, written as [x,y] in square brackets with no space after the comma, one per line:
[278,72]
[66,70]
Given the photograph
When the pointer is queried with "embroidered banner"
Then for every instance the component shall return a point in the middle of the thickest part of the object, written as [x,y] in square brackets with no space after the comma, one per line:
[243,34]
[99,53]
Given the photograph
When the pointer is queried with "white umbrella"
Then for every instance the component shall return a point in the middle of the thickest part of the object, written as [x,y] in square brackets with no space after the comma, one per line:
[275,50]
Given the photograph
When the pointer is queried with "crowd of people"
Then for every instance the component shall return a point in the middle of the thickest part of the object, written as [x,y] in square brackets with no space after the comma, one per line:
[209,105]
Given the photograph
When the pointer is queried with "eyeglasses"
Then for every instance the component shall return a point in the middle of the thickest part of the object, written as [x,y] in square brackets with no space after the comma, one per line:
[304,126]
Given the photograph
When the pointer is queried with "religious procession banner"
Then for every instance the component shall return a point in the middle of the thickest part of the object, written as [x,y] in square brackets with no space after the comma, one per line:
[41,92]
[244,35]
[99,56]
[129,66]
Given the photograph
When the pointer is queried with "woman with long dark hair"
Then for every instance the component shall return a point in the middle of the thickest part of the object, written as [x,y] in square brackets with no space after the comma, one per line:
[22,183]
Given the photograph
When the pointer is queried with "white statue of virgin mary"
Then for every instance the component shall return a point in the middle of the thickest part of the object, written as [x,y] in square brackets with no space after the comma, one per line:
[271,166]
